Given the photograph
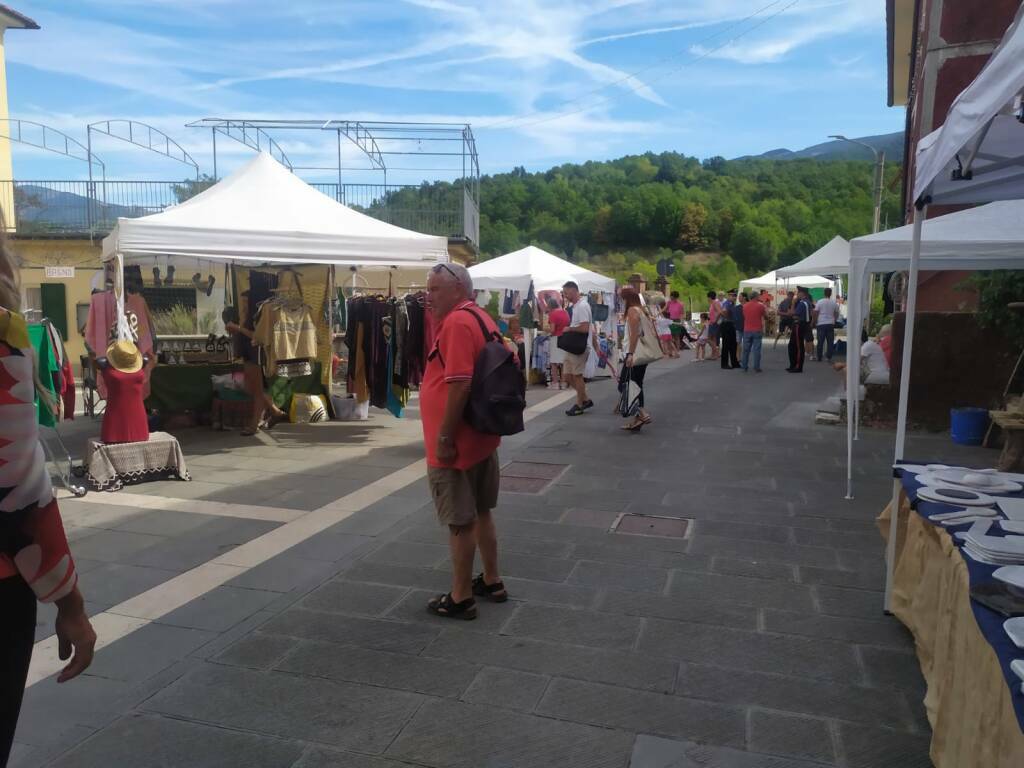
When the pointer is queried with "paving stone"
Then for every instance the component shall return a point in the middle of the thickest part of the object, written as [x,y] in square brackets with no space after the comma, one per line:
[561,532]
[410,553]
[870,542]
[679,607]
[744,591]
[352,597]
[147,651]
[533,567]
[113,583]
[514,506]
[636,578]
[164,522]
[331,547]
[337,714]
[48,711]
[258,650]
[284,573]
[398,575]
[506,688]
[146,741]
[600,630]
[754,651]
[388,670]
[852,560]
[413,608]
[115,546]
[200,545]
[317,757]
[870,579]
[656,752]
[778,534]
[597,518]
[866,747]
[632,550]
[857,603]
[633,710]
[830,698]
[552,594]
[792,736]
[435,534]
[351,630]
[745,549]
[757,569]
[893,669]
[502,738]
[220,608]
[885,631]
[627,669]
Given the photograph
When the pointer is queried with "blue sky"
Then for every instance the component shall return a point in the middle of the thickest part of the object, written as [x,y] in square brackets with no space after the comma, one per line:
[542,82]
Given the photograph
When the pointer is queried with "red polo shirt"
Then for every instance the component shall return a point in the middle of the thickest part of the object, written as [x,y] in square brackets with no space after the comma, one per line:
[459,343]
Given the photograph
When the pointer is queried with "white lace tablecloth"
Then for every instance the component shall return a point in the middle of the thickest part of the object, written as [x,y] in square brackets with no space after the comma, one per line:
[109,466]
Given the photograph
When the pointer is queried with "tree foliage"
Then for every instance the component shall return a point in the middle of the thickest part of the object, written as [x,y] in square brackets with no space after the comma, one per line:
[758,211]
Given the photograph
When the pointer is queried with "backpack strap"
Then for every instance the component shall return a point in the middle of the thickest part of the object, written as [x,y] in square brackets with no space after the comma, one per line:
[488,335]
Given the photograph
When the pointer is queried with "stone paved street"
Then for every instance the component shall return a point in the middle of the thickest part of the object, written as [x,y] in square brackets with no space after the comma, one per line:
[271,613]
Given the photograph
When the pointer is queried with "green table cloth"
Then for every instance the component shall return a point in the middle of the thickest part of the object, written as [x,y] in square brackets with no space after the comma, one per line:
[178,388]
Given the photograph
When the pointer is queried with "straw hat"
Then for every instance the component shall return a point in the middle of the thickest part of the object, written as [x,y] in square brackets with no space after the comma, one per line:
[124,356]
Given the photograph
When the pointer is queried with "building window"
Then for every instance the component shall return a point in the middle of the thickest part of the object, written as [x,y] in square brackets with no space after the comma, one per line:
[32,304]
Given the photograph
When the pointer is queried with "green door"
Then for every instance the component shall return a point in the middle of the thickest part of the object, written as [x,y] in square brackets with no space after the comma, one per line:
[55,306]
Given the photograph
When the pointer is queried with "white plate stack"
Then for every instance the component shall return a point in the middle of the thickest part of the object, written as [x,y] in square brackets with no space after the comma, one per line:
[994,550]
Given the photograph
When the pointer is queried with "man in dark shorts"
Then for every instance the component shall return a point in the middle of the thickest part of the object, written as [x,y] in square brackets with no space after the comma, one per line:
[462,463]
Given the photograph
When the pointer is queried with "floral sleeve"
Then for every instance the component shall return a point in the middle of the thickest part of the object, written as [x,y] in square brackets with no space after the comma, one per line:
[32,540]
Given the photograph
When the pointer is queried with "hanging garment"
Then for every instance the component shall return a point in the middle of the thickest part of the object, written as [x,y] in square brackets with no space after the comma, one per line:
[47,367]
[124,420]
[542,353]
[414,340]
[285,332]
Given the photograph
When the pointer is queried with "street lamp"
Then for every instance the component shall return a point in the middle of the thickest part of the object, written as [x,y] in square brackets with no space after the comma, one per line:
[879,169]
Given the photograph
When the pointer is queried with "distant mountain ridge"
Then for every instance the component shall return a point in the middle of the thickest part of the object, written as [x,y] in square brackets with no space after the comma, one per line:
[890,143]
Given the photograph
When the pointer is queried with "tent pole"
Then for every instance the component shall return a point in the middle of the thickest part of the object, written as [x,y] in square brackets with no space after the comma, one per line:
[901,416]
[331,298]
[852,382]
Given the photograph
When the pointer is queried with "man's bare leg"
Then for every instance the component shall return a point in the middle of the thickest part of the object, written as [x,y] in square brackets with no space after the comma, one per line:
[487,543]
[462,544]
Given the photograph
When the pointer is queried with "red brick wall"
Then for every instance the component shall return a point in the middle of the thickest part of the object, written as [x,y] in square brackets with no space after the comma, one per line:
[946,63]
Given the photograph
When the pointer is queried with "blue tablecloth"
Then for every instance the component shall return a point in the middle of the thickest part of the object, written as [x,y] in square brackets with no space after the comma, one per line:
[989,622]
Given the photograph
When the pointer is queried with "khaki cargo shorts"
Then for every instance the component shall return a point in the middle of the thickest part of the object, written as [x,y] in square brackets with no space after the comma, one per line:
[462,494]
[574,365]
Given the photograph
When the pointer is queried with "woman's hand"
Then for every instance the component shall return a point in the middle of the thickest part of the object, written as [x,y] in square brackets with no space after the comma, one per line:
[231,327]
[74,635]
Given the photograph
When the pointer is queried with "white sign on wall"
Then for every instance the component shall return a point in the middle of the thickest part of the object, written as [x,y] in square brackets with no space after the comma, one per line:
[59,273]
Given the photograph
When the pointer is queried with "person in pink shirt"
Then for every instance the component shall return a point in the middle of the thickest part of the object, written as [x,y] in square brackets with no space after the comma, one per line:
[675,307]
[558,321]
[755,314]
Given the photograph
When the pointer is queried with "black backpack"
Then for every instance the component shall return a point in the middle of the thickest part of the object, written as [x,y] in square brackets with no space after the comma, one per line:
[497,396]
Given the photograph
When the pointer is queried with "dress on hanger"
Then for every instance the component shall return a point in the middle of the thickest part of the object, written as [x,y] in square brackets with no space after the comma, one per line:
[124,420]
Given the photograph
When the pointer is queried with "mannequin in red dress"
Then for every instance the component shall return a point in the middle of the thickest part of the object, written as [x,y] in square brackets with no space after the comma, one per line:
[124,420]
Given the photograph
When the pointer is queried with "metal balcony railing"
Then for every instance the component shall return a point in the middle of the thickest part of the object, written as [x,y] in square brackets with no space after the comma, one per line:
[83,208]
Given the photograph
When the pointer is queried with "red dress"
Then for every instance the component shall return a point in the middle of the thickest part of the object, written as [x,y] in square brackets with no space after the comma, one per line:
[124,420]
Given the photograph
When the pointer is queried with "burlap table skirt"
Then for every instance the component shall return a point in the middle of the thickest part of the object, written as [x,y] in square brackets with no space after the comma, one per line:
[109,466]
[968,700]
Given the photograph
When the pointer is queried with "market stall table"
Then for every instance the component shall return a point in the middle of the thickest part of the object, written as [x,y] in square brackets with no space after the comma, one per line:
[180,388]
[974,702]
[108,466]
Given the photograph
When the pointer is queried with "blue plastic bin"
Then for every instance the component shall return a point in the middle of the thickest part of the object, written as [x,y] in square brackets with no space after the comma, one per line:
[968,425]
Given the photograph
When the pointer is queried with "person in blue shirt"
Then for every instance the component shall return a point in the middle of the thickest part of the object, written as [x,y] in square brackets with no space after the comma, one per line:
[727,332]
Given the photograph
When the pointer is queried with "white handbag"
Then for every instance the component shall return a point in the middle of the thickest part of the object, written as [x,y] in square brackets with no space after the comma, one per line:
[648,348]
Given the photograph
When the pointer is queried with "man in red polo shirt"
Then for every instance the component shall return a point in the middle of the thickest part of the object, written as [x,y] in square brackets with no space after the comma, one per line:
[462,463]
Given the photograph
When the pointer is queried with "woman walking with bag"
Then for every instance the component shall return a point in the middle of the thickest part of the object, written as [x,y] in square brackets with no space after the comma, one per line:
[636,344]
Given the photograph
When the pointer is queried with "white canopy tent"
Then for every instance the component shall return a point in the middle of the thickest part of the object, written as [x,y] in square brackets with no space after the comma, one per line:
[833,258]
[977,156]
[515,271]
[264,213]
[769,280]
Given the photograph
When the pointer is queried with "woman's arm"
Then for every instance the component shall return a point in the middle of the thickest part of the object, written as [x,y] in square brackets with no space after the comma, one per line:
[633,320]
[236,328]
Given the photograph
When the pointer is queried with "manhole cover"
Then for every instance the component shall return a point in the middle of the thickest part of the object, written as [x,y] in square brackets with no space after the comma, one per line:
[532,469]
[529,476]
[523,484]
[652,525]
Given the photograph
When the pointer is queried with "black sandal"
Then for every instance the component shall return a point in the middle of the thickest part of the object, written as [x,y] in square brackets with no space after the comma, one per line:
[444,606]
[495,592]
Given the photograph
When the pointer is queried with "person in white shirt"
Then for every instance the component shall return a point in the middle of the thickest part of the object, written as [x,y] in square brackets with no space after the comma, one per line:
[575,365]
[826,313]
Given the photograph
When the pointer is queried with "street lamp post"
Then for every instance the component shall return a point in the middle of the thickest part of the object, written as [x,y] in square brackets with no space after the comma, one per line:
[875,226]
[879,171]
